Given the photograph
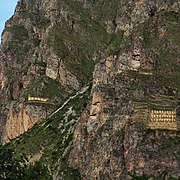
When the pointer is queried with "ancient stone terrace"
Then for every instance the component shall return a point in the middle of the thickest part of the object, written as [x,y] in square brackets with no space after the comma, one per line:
[156,114]
[39,99]
[140,71]
[162,119]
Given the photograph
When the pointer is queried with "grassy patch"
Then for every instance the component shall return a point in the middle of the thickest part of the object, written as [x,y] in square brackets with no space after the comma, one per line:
[77,43]
[165,48]
[51,137]
[45,87]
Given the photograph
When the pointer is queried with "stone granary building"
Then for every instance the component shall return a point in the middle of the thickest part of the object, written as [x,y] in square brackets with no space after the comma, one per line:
[162,119]
[40,99]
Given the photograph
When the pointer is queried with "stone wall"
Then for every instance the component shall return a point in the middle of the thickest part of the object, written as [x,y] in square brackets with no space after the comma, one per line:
[37,99]
[162,119]
[155,119]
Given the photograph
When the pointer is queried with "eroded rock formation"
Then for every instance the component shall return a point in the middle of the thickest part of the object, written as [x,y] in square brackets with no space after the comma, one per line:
[21,118]
[128,51]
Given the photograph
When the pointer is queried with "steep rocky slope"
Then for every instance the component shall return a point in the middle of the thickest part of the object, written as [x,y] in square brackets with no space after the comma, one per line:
[97,70]
[112,140]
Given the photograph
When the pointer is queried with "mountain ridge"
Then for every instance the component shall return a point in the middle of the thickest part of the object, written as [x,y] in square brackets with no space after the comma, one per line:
[122,126]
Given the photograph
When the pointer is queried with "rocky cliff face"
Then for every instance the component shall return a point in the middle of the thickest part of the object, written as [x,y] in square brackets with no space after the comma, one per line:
[129,51]
[21,119]
[110,141]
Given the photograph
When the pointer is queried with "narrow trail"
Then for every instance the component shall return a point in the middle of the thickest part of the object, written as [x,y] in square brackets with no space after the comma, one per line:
[82,91]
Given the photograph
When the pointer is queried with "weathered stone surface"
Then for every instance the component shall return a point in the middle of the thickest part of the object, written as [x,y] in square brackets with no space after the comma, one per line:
[49,51]
[20,119]
[123,146]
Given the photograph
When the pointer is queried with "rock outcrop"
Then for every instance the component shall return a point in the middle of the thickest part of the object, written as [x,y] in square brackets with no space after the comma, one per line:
[20,119]
[91,74]
[123,85]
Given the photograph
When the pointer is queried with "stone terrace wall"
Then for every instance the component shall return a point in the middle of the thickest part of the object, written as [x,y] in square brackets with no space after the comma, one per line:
[162,119]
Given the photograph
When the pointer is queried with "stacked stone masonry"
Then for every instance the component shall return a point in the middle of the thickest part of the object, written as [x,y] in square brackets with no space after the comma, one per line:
[30,98]
[162,119]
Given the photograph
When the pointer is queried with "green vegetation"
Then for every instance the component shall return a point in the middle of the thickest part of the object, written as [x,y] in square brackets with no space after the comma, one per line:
[28,12]
[16,169]
[163,49]
[156,147]
[36,42]
[160,102]
[157,102]
[15,44]
[77,43]
[163,42]
[50,139]
[46,87]
[19,33]
[162,176]
[115,43]
[70,49]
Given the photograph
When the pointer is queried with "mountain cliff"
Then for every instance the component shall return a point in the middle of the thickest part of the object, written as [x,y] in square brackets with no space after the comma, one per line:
[90,90]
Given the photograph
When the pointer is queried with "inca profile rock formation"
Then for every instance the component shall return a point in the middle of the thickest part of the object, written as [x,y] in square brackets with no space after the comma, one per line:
[90,90]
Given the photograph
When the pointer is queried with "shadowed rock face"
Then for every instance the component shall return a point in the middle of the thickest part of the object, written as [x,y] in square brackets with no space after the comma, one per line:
[111,141]
[128,50]
[21,119]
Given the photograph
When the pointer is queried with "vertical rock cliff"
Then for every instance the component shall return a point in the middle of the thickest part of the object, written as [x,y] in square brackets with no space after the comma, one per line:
[93,89]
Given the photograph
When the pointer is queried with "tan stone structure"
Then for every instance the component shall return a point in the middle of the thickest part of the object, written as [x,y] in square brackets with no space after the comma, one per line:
[30,98]
[162,119]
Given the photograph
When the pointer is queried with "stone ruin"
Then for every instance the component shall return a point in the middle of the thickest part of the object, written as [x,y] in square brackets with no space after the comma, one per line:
[40,99]
[162,119]
[156,118]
